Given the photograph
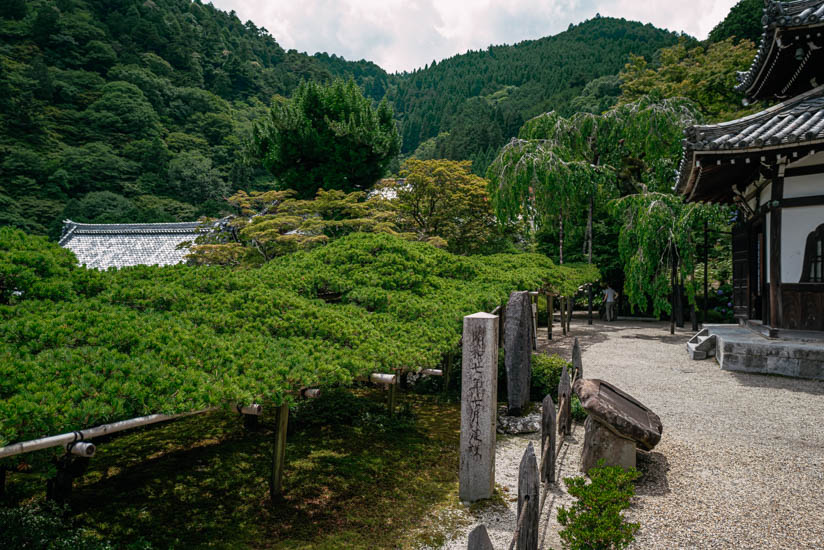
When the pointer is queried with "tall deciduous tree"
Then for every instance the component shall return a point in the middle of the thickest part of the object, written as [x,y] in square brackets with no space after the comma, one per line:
[327,137]
[443,202]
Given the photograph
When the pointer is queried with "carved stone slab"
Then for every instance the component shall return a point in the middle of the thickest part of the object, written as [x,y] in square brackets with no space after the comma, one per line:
[564,405]
[479,539]
[548,440]
[577,363]
[529,500]
[479,390]
[518,337]
[620,412]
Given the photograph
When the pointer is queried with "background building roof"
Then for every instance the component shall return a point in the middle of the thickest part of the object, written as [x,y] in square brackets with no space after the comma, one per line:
[716,156]
[102,246]
[790,58]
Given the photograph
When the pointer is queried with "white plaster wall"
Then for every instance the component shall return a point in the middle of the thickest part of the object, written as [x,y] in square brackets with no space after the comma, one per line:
[804,186]
[796,225]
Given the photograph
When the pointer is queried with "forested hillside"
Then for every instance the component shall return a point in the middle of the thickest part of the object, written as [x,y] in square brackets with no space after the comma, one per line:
[136,110]
[139,110]
[482,98]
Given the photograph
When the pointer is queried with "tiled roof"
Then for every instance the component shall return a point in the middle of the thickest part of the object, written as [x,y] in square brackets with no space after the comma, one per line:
[102,246]
[780,18]
[798,122]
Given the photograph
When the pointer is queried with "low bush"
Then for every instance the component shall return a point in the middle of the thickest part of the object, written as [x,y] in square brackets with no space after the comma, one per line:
[594,521]
[578,412]
[546,374]
[43,527]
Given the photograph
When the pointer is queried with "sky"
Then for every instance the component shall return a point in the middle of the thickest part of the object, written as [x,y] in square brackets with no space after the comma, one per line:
[402,35]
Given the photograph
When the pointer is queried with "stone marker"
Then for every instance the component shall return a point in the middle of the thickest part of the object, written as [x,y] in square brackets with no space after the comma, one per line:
[565,405]
[479,539]
[479,394]
[529,500]
[548,440]
[518,346]
[617,422]
[577,364]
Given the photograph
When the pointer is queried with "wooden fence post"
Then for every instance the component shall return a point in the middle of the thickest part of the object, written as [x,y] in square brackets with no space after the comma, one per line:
[550,313]
[479,539]
[279,452]
[548,440]
[529,496]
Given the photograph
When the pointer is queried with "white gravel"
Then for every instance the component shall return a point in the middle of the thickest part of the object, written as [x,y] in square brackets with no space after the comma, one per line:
[740,464]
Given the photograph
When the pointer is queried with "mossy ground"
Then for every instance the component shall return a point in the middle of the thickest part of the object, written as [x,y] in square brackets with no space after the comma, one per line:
[202,483]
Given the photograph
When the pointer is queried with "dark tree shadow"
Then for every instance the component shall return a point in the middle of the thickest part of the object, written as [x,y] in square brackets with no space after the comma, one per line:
[778,382]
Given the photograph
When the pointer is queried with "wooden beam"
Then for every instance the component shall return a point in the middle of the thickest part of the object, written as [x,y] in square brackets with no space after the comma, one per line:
[814,200]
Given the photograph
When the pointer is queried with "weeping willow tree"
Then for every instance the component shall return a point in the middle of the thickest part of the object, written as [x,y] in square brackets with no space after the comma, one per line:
[627,157]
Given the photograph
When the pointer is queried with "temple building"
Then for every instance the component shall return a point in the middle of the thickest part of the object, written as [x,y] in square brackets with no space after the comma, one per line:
[101,246]
[771,166]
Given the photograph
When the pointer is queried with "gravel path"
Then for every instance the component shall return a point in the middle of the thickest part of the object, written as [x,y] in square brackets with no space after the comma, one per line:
[740,465]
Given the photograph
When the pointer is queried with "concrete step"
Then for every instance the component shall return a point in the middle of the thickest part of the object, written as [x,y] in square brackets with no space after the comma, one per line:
[701,345]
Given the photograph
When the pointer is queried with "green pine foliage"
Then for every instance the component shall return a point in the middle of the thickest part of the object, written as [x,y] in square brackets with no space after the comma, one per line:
[327,137]
[118,344]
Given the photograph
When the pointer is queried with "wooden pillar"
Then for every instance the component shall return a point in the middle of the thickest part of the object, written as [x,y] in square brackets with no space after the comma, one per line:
[393,395]
[776,309]
[706,263]
[279,452]
[550,313]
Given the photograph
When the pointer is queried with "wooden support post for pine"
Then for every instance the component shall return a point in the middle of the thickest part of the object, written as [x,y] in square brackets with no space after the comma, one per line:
[447,372]
[279,452]
[562,312]
[393,396]
[2,483]
[589,304]
[550,313]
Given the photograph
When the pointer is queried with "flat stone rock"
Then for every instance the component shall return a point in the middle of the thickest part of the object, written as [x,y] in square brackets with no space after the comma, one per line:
[620,412]
[514,425]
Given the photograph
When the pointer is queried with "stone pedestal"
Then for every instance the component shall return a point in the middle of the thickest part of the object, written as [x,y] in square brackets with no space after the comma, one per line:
[478,406]
[601,443]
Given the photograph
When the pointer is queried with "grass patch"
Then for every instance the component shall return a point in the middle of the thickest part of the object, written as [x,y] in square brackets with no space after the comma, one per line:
[202,483]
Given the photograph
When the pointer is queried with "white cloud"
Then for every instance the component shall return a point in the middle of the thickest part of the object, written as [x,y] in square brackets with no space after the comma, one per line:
[405,34]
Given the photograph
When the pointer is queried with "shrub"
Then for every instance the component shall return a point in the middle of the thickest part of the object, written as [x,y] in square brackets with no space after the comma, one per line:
[43,527]
[546,374]
[578,412]
[594,521]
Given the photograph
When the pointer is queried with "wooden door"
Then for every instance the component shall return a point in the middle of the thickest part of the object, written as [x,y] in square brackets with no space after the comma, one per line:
[741,271]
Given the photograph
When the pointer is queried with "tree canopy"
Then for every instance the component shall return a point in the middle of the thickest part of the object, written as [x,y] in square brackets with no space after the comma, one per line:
[326,137]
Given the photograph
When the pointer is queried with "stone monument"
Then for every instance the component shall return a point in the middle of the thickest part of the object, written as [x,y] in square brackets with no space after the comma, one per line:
[479,396]
[616,424]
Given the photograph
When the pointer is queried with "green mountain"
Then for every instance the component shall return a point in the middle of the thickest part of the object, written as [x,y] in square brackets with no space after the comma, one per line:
[481,98]
[138,110]
[743,22]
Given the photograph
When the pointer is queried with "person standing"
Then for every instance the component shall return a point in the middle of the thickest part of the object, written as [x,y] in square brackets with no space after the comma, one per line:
[609,301]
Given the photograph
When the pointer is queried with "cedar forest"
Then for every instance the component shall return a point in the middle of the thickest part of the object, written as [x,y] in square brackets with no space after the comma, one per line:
[536,161]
